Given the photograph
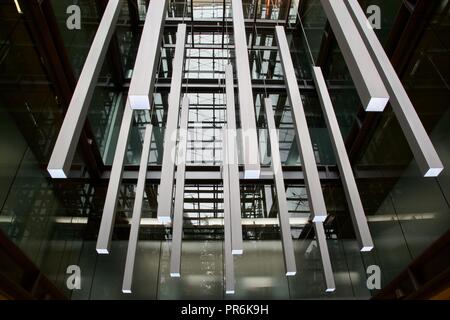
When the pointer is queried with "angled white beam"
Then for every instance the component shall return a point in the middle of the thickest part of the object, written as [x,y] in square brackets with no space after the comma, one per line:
[137,212]
[250,148]
[423,150]
[268,198]
[69,134]
[228,253]
[233,165]
[366,78]
[283,214]
[146,64]
[109,209]
[168,166]
[324,254]
[348,180]
[177,224]
[312,180]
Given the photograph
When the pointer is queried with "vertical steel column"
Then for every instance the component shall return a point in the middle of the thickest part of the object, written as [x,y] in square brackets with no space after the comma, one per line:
[246,105]
[348,180]
[137,212]
[326,262]
[112,124]
[146,65]
[423,150]
[177,224]
[227,226]
[168,165]
[312,180]
[109,209]
[67,141]
[233,166]
[368,83]
[283,214]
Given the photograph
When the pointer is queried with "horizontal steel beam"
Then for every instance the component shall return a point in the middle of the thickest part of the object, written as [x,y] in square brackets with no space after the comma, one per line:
[258,86]
[206,174]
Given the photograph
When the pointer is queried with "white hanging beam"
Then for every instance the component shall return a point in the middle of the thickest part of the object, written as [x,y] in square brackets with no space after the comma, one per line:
[228,253]
[69,134]
[348,180]
[283,214]
[312,180]
[324,254]
[177,224]
[423,150]
[368,83]
[109,209]
[137,212]
[250,146]
[168,166]
[146,64]
[233,165]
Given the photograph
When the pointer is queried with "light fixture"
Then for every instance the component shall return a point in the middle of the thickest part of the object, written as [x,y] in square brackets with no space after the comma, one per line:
[309,167]
[168,166]
[19,10]
[250,152]
[177,224]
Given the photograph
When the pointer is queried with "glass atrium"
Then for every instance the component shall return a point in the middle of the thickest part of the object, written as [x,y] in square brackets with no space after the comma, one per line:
[56,222]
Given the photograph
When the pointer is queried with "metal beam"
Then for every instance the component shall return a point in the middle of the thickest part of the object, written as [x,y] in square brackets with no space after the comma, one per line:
[42,26]
[324,254]
[177,225]
[314,189]
[249,135]
[233,166]
[421,146]
[112,123]
[326,46]
[134,16]
[196,174]
[288,13]
[113,54]
[227,224]
[146,64]
[137,212]
[109,209]
[348,180]
[368,83]
[168,165]
[67,141]
[283,214]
